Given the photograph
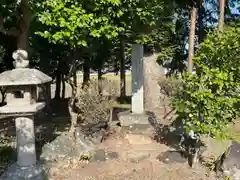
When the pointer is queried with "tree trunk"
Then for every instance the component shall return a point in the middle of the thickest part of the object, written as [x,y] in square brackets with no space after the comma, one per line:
[221,15]
[191,38]
[116,68]
[58,82]
[73,114]
[23,38]
[122,72]
[86,73]
[63,86]
[24,25]
[3,94]
[75,80]
[100,85]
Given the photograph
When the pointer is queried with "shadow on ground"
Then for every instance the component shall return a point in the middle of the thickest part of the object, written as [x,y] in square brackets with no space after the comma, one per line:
[168,134]
[48,129]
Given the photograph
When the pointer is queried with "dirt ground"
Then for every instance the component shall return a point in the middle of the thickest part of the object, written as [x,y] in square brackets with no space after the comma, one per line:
[131,163]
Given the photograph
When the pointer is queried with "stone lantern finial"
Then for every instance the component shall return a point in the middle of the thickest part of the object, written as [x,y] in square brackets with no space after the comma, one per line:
[21,58]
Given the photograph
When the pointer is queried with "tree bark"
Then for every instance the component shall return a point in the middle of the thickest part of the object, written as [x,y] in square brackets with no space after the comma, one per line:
[3,94]
[116,67]
[63,86]
[100,85]
[73,114]
[191,38]
[86,73]
[221,14]
[58,81]
[24,24]
[75,78]
[72,101]
[122,71]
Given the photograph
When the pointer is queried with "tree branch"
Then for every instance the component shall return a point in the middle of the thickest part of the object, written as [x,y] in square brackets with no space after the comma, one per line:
[11,32]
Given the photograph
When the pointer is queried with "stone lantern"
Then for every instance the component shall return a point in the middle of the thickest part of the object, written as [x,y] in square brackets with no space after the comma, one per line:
[27,92]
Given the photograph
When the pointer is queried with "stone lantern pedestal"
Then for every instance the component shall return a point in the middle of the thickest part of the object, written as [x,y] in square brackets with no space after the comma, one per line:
[26,167]
[22,103]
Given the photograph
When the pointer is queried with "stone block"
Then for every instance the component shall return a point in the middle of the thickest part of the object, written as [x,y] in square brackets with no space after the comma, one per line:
[137,156]
[135,123]
[16,172]
[103,155]
[136,139]
[127,119]
[229,162]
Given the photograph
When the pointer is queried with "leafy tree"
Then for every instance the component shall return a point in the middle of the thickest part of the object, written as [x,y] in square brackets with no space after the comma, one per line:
[74,23]
[80,20]
[15,19]
[221,50]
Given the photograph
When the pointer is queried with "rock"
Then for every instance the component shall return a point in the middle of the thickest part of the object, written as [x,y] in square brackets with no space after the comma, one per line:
[229,162]
[102,155]
[112,155]
[138,139]
[64,146]
[16,172]
[99,155]
[57,149]
[214,146]
[137,156]
[170,157]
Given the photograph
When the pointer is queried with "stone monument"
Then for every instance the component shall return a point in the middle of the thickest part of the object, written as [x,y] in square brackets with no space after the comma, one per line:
[152,74]
[22,102]
[137,118]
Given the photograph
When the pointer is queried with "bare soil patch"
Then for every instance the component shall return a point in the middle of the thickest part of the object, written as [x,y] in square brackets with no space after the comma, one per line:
[132,162]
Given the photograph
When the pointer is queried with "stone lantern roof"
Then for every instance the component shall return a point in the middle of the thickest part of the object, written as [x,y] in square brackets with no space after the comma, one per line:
[22,75]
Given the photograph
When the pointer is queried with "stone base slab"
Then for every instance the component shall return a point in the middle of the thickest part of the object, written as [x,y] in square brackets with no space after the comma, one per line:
[136,123]
[16,172]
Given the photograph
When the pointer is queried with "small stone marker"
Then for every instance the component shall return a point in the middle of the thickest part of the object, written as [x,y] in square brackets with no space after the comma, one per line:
[26,152]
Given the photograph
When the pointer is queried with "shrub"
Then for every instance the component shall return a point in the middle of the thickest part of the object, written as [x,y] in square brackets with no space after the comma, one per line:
[209,103]
[170,86]
[93,108]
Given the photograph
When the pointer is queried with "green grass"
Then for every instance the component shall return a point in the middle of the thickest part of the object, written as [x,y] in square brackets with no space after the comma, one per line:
[124,106]
[110,77]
